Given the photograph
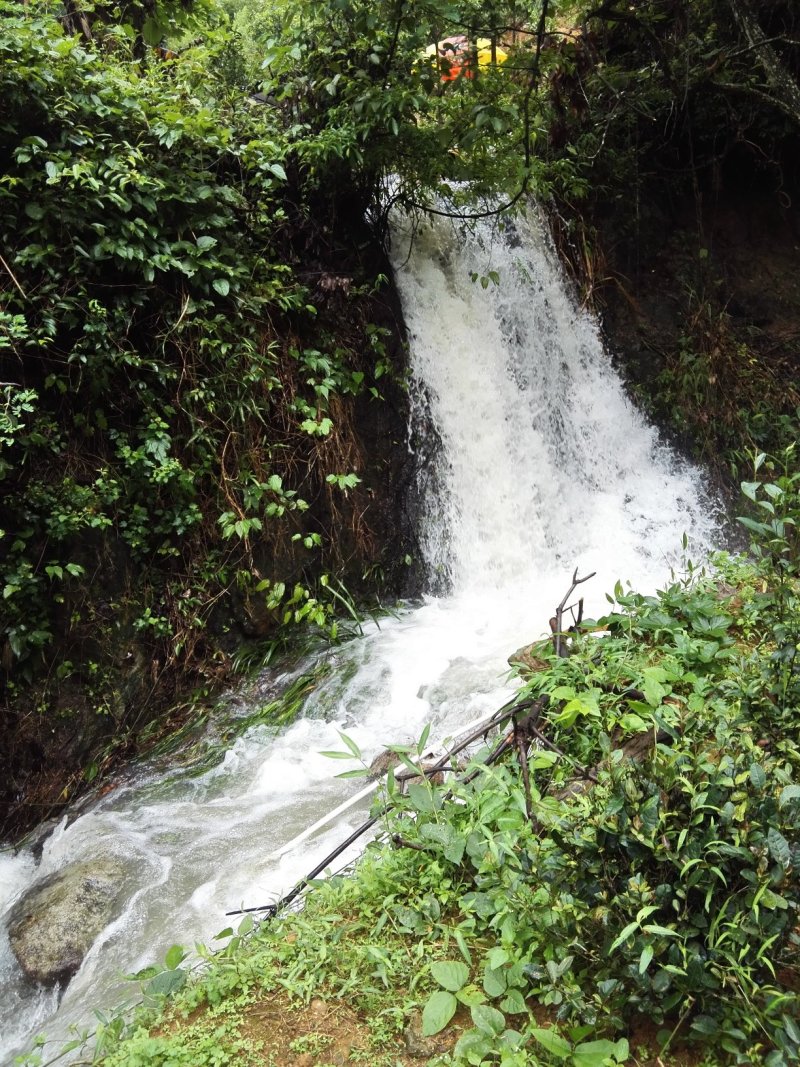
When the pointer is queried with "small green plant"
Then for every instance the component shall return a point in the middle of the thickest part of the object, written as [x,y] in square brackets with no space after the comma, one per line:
[312,1043]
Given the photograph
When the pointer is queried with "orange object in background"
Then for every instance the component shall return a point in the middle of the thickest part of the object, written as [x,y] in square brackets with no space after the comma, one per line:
[455,56]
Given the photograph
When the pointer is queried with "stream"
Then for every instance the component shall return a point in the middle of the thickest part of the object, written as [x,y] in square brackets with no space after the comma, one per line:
[537,464]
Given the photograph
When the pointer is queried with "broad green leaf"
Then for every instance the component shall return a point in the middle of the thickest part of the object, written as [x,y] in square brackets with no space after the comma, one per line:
[664,931]
[451,975]
[788,794]
[773,900]
[454,849]
[553,1042]
[541,760]
[165,983]
[779,847]
[654,691]
[175,956]
[410,918]
[494,982]
[562,692]
[750,524]
[473,1046]
[649,814]
[488,1019]
[497,956]
[438,1012]
[221,286]
[757,776]
[634,723]
[514,1003]
[205,242]
[453,843]
[626,933]
[512,1039]
[705,1025]
[421,798]
[645,958]
[599,1053]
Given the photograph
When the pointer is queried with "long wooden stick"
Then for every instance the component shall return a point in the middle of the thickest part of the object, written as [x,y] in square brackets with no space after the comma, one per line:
[484,725]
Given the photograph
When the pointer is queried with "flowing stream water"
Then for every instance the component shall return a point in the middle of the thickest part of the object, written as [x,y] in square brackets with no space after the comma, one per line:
[538,465]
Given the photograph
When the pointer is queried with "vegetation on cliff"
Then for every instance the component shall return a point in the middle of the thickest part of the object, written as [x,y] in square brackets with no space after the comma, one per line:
[674,130]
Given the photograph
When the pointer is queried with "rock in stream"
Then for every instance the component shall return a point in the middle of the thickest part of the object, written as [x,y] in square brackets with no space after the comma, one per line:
[53,926]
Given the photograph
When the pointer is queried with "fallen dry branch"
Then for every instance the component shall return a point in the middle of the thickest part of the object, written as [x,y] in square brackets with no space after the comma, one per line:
[506,713]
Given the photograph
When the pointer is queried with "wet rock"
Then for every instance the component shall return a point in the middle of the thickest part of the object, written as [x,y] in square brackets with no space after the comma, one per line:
[382,762]
[526,658]
[55,923]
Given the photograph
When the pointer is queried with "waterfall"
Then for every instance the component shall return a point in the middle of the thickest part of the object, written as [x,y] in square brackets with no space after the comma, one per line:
[545,464]
[537,465]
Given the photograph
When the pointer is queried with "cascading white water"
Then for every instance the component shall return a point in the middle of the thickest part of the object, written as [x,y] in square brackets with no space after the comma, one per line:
[545,464]
[542,466]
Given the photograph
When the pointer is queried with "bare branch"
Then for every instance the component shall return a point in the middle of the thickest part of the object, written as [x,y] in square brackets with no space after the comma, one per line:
[556,623]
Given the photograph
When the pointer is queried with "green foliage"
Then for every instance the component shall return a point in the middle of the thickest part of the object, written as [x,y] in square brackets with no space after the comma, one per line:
[666,889]
[666,120]
[151,408]
[389,123]
[171,395]
[774,692]
[661,884]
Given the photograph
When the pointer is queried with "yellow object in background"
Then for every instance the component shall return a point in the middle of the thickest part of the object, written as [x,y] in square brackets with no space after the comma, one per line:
[455,55]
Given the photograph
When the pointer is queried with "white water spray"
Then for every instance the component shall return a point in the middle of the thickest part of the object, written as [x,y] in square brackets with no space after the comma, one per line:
[545,464]
[542,466]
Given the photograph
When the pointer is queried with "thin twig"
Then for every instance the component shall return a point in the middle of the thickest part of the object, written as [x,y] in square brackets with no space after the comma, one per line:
[576,581]
[584,771]
[13,278]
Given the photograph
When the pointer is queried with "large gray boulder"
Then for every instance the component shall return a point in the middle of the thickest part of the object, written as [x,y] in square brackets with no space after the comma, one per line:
[53,926]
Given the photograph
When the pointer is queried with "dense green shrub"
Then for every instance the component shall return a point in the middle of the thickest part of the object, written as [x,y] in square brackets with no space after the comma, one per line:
[149,389]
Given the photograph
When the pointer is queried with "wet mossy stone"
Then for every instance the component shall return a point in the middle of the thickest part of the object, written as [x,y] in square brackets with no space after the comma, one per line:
[53,926]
